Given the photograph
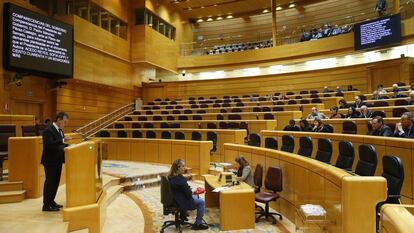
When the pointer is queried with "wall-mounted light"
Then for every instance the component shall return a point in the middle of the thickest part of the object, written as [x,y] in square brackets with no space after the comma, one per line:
[229,17]
[219,18]
[209,19]
[200,20]
[279,8]
[265,11]
[292,5]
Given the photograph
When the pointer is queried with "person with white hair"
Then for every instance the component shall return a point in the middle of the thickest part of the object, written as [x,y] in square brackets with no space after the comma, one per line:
[315,114]
[405,128]
[365,112]
[376,95]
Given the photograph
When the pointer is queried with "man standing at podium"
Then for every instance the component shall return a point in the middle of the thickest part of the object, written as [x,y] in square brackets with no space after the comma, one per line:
[53,156]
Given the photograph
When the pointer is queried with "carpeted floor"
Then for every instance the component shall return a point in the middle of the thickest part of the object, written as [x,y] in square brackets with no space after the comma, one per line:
[150,197]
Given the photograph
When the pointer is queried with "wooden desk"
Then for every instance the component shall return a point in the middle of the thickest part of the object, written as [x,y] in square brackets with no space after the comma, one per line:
[236,204]
[397,219]
[17,120]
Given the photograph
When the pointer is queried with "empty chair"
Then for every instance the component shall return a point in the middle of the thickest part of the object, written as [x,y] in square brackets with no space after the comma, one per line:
[381,104]
[166,135]
[397,112]
[164,113]
[327,95]
[257,109]
[179,135]
[128,119]
[173,102]
[122,134]
[314,96]
[266,109]
[378,113]
[271,143]
[104,134]
[246,96]
[278,109]
[268,116]
[176,112]
[191,98]
[401,102]
[346,155]
[164,125]
[292,102]
[213,97]
[305,101]
[150,103]
[239,104]
[191,102]
[150,134]
[170,118]
[367,163]
[289,93]
[136,134]
[233,125]
[29,131]
[157,118]
[148,125]
[197,118]
[182,118]
[136,113]
[288,143]
[175,125]
[220,117]
[393,172]
[305,146]
[203,106]
[201,111]
[324,152]
[142,118]
[156,107]
[236,110]
[262,98]
[136,125]
[237,100]
[216,105]
[234,97]
[298,97]
[349,127]
[273,184]
[280,102]
[188,111]
[196,136]
[234,117]
[163,103]
[254,140]
[158,99]
[211,125]
[304,92]
[194,106]
[179,107]
[146,108]
[316,101]
[222,125]
[169,107]
[258,177]
[212,136]
[200,98]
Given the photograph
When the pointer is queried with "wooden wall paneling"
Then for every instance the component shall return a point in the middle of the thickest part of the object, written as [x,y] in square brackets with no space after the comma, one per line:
[151,151]
[124,150]
[119,8]
[136,151]
[165,152]
[178,151]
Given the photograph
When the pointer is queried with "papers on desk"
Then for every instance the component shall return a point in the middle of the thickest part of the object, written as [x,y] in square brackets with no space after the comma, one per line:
[219,189]
[312,210]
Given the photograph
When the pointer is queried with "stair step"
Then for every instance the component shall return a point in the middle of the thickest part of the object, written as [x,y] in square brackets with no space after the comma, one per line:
[11,186]
[12,196]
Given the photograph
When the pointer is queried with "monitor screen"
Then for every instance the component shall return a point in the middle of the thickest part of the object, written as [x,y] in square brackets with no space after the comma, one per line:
[36,44]
[378,33]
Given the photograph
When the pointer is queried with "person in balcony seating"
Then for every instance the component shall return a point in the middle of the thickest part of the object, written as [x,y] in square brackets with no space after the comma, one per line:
[343,103]
[338,89]
[183,196]
[358,102]
[381,90]
[315,114]
[352,113]
[319,126]
[304,126]
[379,128]
[365,112]
[292,126]
[335,114]
[244,172]
[326,89]
[405,128]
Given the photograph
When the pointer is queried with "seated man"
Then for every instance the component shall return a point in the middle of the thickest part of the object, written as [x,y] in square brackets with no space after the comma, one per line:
[183,196]
[338,89]
[405,128]
[379,128]
[365,112]
[376,95]
[291,126]
[381,90]
[335,113]
[315,114]
[326,89]
[358,102]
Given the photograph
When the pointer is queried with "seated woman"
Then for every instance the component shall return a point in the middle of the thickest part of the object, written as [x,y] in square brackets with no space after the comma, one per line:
[335,113]
[244,173]
[304,126]
[352,113]
[183,196]
[320,127]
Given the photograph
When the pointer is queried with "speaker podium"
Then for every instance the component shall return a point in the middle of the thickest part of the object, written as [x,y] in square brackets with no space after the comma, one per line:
[85,207]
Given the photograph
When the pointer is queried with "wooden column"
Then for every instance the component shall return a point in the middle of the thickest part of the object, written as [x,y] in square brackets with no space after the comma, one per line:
[274,22]
[396,6]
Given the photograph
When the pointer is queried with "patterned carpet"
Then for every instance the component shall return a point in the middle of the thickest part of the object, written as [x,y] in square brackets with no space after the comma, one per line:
[151,198]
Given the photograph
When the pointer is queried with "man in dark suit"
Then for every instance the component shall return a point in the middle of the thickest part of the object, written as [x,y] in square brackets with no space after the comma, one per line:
[405,128]
[365,112]
[291,126]
[379,128]
[53,157]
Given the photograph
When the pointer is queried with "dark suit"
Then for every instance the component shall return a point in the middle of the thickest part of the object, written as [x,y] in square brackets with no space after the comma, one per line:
[53,157]
[383,131]
[409,133]
[291,128]
[369,115]
[182,195]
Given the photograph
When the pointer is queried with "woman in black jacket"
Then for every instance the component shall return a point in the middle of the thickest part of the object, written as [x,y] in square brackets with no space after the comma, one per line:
[304,126]
[183,196]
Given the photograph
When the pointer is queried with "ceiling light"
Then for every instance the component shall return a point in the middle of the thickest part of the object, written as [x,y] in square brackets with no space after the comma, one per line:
[200,20]
[265,11]
[292,5]
[209,19]
[202,7]
[279,8]
[219,18]
[229,17]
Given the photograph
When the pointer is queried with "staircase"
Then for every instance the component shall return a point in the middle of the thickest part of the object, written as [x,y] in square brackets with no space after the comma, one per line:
[11,192]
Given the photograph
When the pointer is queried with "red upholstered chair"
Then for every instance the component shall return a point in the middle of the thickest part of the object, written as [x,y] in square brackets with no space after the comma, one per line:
[273,184]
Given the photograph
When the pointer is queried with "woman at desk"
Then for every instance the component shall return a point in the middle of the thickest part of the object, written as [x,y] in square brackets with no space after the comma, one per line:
[183,196]
[244,173]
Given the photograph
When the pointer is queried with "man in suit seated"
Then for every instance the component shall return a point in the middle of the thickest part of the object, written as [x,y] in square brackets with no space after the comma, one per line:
[53,156]
[358,102]
[315,114]
[365,112]
[379,128]
[183,196]
[291,126]
[405,128]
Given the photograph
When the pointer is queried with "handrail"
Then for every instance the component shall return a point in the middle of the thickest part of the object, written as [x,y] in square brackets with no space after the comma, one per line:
[94,126]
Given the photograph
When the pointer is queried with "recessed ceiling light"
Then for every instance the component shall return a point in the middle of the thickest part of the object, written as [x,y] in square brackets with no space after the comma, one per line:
[202,7]
[279,8]
[292,5]
[229,17]
[209,19]
[265,11]
[200,20]
[219,18]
